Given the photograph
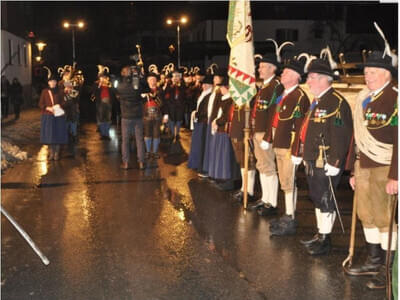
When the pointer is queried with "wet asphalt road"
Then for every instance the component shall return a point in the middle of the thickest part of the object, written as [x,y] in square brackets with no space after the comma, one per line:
[160,233]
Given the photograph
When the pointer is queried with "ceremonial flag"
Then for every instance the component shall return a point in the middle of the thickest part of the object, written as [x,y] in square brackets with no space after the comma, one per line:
[242,81]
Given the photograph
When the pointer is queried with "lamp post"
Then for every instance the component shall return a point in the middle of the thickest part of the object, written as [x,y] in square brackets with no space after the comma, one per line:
[68,25]
[40,46]
[182,20]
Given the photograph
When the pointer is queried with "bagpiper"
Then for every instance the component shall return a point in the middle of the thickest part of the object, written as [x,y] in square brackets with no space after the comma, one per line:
[174,96]
[104,95]
[323,143]
[374,169]
[152,115]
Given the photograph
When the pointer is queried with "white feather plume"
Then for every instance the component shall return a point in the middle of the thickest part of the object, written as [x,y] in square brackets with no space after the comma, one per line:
[326,52]
[153,68]
[210,69]
[278,49]
[309,59]
[48,72]
[387,50]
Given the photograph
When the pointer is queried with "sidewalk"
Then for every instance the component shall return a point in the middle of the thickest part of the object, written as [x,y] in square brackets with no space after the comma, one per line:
[17,135]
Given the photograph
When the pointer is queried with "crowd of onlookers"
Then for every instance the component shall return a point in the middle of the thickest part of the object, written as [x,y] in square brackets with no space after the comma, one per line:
[11,93]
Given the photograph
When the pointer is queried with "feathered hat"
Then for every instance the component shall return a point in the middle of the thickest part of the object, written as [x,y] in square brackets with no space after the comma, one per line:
[386,59]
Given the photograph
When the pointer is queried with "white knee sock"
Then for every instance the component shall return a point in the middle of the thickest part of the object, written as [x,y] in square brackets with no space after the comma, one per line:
[251,176]
[385,240]
[327,221]
[372,235]
[289,205]
[269,187]
[318,217]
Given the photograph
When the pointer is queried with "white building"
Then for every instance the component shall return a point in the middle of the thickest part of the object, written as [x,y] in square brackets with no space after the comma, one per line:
[308,35]
[16,61]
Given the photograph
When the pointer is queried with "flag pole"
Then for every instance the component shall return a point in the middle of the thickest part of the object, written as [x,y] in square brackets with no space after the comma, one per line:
[246,152]
[241,70]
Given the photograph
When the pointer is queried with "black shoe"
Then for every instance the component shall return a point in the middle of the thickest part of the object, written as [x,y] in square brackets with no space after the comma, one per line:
[141,166]
[285,226]
[372,264]
[278,221]
[238,196]
[256,205]
[267,210]
[321,247]
[226,186]
[378,282]
[148,155]
[156,155]
[310,241]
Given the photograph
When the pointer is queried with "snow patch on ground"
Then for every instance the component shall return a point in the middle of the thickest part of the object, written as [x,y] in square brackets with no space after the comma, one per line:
[11,153]
[15,133]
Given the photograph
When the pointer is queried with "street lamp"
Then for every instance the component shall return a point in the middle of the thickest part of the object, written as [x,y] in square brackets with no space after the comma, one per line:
[182,20]
[68,25]
[40,46]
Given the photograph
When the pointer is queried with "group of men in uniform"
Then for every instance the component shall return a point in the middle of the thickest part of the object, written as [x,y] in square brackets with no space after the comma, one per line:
[323,133]
[146,102]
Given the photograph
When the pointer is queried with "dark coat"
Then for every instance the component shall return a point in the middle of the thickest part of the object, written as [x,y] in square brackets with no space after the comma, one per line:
[330,119]
[290,117]
[131,100]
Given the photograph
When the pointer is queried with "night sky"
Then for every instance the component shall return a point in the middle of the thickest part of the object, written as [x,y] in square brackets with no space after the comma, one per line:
[112,28]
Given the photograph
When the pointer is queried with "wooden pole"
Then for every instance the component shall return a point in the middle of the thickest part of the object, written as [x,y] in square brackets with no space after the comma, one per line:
[246,152]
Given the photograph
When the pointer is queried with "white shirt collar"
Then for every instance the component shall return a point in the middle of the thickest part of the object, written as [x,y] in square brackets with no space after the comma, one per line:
[287,92]
[227,96]
[266,81]
[376,92]
[324,92]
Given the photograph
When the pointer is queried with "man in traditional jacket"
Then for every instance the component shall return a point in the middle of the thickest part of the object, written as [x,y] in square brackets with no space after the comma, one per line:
[292,106]
[261,120]
[324,139]
[375,166]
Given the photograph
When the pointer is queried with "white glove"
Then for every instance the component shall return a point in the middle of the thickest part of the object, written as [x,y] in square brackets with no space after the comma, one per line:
[214,127]
[265,145]
[165,118]
[331,170]
[296,160]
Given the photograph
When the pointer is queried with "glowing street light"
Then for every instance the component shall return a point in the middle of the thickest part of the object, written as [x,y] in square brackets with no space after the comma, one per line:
[182,20]
[40,46]
[68,25]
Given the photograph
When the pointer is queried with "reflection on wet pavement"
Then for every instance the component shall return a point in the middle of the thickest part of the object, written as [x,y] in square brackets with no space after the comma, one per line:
[158,233]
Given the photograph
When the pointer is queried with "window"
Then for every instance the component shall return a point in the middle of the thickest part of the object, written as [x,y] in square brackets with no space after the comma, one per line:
[286,34]
[19,54]
[10,52]
[25,55]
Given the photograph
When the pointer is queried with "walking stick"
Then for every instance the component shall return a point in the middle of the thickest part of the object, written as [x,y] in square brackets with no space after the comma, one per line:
[331,185]
[25,236]
[349,259]
[393,204]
